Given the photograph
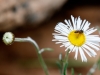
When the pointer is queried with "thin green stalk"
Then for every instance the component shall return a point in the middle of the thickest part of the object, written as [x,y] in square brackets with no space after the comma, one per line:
[65,64]
[28,39]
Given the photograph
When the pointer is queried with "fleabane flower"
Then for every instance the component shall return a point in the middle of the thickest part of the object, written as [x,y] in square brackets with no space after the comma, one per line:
[77,36]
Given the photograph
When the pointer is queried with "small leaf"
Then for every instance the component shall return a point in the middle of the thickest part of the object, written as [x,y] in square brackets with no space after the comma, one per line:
[59,66]
[98,63]
[60,57]
[45,49]
[80,74]
[72,71]
[65,68]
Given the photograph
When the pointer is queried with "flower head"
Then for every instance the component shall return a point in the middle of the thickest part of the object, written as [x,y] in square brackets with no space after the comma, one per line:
[78,37]
[8,38]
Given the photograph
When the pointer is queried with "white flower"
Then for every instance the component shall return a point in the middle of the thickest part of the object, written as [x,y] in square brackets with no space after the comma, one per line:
[8,38]
[76,36]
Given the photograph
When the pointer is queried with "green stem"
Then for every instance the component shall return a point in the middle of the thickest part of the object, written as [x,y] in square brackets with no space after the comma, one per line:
[28,39]
[65,64]
[64,71]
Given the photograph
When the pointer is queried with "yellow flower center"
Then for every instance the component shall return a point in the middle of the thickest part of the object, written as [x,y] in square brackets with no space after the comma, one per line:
[77,37]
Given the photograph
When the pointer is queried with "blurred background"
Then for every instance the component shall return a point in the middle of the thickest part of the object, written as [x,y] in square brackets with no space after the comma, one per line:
[37,19]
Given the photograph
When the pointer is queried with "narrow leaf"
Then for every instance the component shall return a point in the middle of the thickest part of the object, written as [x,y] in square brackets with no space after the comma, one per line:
[72,71]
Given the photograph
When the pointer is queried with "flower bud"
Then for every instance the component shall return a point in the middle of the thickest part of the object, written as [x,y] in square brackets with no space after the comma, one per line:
[8,38]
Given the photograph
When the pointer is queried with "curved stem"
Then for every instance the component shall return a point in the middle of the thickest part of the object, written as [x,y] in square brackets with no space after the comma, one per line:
[92,69]
[28,39]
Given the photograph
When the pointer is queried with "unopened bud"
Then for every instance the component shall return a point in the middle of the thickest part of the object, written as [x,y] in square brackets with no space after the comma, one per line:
[8,38]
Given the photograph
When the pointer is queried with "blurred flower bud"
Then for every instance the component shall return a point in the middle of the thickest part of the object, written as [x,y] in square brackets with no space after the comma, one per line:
[8,38]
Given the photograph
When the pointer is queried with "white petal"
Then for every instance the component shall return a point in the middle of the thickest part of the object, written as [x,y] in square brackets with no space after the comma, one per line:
[67,44]
[89,53]
[61,25]
[74,48]
[86,26]
[62,45]
[93,46]
[90,50]
[86,51]
[79,21]
[70,47]
[58,34]
[94,43]
[62,29]
[83,57]
[58,42]
[60,37]
[83,24]
[90,31]
[69,24]
[76,53]
[92,38]
[74,22]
